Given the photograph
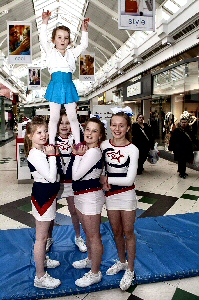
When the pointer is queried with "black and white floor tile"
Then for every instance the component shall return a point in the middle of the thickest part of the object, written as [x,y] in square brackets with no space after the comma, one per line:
[160,192]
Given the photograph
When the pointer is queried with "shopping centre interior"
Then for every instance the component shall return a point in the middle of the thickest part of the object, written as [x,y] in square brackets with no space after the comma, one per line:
[154,72]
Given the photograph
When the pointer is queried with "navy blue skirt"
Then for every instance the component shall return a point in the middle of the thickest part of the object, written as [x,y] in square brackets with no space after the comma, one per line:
[61,89]
[43,195]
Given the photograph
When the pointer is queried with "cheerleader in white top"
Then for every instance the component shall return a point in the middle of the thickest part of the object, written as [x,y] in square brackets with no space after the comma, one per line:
[121,161]
[43,168]
[61,65]
[89,198]
[65,140]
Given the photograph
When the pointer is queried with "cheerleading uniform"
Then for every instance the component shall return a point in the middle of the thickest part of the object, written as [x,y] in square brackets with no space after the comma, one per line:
[120,167]
[88,195]
[61,88]
[45,187]
[64,163]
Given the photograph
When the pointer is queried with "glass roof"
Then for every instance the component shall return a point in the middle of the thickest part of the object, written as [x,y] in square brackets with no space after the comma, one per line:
[71,13]
[170,7]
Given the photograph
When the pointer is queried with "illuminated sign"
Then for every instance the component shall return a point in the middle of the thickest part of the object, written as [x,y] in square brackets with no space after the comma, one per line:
[134,89]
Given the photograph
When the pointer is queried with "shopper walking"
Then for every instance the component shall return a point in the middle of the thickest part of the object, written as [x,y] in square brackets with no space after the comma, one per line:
[181,143]
[143,140]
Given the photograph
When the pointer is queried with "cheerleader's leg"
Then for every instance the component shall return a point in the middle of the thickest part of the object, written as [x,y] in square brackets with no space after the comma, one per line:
[72,117]
[54,119]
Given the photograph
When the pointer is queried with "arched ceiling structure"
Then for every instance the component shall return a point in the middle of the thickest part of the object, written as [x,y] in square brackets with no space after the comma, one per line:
[105,39]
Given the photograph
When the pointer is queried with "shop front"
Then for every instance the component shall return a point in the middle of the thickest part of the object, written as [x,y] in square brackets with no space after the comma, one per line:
[137,93]
[176,92]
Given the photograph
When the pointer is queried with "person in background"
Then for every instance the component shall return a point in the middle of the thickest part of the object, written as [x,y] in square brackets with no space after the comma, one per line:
[42,163]
[121,161]
[61,65]
[89,198]
[181,143]
[65,140]
[142,139]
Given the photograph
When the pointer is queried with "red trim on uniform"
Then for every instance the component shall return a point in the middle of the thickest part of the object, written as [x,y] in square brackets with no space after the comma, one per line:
[111,142]
[44,208]
[87,191]
[66,181]
[110,193]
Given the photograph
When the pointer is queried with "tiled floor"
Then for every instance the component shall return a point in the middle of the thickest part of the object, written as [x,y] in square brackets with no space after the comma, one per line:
[160,192]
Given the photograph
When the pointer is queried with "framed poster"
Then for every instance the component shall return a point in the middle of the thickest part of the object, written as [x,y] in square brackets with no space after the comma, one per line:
[87,66]
[136,15]
[34,78]
[19,37]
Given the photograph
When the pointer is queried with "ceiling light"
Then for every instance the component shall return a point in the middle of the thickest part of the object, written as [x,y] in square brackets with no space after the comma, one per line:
[120,72]
[138,60]
[168,40]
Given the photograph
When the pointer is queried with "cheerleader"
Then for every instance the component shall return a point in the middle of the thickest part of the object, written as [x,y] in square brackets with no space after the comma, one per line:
[121,162]
[89,198]
[43,168]
[61,64]
[64,141]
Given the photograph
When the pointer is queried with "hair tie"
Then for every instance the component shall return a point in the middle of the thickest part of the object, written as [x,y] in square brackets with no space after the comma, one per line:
[98,117]
[94,116]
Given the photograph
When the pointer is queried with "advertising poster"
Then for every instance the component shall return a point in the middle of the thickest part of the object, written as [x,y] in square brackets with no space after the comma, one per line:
[136,15]
[34,78]
[19,36]
[87,66]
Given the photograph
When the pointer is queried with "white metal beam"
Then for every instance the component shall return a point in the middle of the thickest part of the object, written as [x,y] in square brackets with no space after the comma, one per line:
[10,5]
[103,32]
[104,8]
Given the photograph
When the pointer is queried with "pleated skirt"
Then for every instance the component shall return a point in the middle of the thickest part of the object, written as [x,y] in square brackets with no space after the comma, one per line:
[61,89]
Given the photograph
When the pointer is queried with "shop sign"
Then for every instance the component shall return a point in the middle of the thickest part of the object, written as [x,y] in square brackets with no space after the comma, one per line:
[102,99]
[136,15]
[134,89]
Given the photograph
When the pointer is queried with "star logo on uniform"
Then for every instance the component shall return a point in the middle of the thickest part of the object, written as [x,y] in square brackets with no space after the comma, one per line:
[64,146]
[115,155]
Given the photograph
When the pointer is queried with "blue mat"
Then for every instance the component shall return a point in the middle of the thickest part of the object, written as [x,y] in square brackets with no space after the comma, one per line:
[167,249]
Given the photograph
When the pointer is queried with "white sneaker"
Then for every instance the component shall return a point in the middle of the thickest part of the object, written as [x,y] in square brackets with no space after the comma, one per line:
[46,282]
[49,244]
[117,267]
[79,242]
[127,279]
[81,264]
[50,263]
[89,279]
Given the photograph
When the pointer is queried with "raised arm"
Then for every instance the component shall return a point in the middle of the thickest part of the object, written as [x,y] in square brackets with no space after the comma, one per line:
[43,32]
[84,39]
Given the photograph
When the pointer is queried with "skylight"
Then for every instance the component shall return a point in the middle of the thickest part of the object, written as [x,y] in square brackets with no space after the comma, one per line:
[171,6]
[70,14]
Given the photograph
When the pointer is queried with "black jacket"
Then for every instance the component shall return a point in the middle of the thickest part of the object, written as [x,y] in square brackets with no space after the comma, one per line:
[181,143]
[140,140]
